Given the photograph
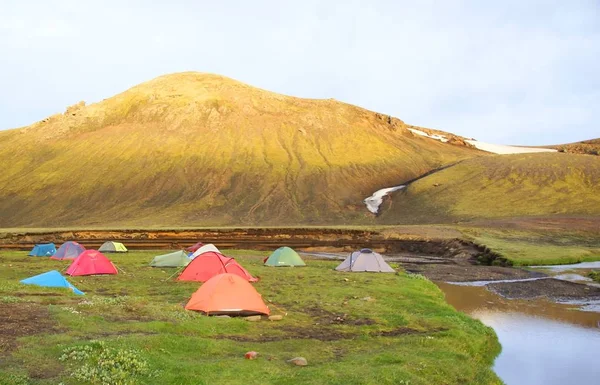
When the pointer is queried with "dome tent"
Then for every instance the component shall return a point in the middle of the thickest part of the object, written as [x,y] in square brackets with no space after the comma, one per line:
[68,250]
[284,256]
[91,262]
[207,265]
[365,260]
[43,250]
[227,294]
[112,247]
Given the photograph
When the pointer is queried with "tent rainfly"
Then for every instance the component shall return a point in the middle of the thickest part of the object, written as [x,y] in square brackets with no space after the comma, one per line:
[112,247]
[204,249]
[365,260]
[91,262]
[227,294]
[175,259]
[51,279]
[284,256]
[43,250]
[68,250]
[207,265]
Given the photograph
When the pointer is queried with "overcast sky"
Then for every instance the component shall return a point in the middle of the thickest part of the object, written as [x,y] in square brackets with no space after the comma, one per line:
[510,72]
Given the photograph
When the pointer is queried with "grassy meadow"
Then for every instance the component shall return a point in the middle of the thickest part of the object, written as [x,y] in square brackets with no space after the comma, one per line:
[524,248]
[132,329]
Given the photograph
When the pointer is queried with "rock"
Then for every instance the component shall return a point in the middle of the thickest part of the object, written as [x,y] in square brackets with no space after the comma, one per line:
[368,299]
[275,318]
[346,280]
[251,355]
[222,316]
[298,361]
[253,318]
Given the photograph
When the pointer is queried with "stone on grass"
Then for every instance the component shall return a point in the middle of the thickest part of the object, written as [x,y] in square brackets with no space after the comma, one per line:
[275,317]
[298,361]
[253,318]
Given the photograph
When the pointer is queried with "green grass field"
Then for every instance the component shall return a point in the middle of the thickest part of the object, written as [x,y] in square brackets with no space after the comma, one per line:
[132,329]
[525,248]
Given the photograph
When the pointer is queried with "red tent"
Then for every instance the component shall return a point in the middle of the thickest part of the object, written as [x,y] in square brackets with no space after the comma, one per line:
[227,294]
[195,247]
[207,265]
[91,262]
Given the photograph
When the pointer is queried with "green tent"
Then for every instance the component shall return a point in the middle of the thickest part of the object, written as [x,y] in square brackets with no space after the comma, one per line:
[284,256]
[175,259]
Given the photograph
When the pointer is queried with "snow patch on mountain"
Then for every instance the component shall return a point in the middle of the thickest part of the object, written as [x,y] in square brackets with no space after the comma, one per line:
[374,201]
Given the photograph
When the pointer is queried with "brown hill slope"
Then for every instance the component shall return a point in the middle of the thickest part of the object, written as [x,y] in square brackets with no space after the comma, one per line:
[194,149]
[501,186]
[589,147]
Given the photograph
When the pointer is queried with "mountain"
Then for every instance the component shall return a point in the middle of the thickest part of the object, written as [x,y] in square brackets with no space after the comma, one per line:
[500,186]
[195,149]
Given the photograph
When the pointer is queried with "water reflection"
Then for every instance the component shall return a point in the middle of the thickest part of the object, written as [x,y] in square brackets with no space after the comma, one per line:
[542,342]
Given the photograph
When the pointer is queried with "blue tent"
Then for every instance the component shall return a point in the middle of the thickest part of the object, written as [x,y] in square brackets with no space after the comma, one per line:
[43,250]
[51,279]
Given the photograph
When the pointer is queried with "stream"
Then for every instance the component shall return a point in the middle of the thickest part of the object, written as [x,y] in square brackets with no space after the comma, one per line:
[543,342]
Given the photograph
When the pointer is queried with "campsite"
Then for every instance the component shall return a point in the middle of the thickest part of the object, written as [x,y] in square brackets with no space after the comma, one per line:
[352,328]
[334,192]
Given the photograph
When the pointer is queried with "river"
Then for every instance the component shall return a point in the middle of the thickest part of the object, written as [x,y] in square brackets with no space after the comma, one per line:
[542,342]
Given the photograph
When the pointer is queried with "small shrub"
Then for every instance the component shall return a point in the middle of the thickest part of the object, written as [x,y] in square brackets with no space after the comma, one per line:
[595,275]
[9,299]
[96,363]
[416,276]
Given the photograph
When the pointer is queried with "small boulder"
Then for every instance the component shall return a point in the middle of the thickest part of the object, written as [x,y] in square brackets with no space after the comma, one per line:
[298,361]
[275,318]
[253,318]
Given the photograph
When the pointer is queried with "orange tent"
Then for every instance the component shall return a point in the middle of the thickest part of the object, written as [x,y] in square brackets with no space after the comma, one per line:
[207,265]
[227,294]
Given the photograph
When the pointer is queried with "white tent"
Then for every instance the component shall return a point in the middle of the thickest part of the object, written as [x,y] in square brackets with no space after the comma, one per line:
[365,260]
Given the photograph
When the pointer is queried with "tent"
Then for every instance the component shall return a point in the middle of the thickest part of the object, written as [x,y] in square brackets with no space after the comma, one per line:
[51,279]
[176,259]
[227,294]
[91,262]
[284,256]
[68,250]
[112,247]
[207,265]
[43,250]
[204,249]
[365,260]
[194,247]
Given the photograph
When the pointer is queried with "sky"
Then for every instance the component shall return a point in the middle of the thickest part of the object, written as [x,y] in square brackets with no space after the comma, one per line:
[507,72]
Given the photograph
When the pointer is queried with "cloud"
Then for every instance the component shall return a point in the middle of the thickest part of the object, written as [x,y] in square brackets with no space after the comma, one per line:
[509,72]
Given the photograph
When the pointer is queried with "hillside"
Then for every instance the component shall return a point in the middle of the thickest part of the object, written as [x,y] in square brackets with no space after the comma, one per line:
[501,186]
[589,147]
[195,149]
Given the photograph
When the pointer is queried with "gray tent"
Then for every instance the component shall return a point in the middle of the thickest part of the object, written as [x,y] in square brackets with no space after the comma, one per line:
[365,260]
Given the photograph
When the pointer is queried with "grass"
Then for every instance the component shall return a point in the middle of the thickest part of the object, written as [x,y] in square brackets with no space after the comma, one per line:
[404,333]
[524,248]
[501,186]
